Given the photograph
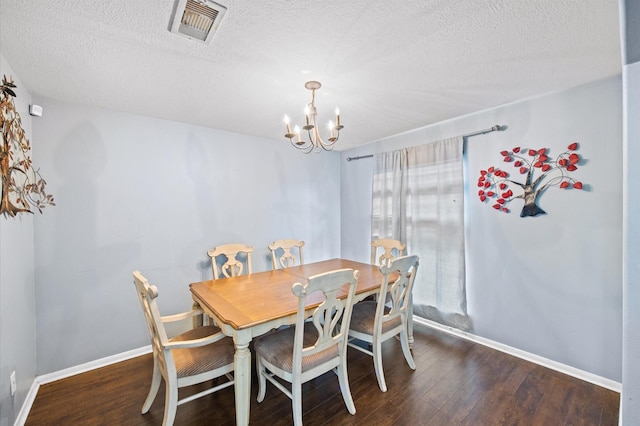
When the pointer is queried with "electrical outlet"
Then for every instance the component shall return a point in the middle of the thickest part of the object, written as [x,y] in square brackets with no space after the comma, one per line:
[13,383]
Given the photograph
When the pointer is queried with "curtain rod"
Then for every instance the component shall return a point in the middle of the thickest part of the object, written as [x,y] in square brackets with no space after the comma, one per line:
[495,128]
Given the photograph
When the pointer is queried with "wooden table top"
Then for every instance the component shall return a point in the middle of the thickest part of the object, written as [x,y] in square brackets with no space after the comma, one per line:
[249,300]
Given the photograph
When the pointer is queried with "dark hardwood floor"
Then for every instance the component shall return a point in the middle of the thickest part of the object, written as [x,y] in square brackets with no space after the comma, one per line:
[456,383]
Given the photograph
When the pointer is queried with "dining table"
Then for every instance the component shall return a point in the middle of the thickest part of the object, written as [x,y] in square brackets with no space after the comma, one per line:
[248,306]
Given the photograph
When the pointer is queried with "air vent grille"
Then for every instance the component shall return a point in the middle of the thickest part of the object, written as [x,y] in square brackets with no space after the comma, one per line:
[197,19]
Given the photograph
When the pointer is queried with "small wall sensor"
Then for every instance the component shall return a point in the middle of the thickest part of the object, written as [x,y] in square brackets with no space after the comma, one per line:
[35,110]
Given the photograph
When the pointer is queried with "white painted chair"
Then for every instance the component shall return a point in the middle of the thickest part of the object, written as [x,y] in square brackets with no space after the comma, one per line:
[312,347]
[232,266]
[390,250]
[287,258]
[195,356]
[375,322]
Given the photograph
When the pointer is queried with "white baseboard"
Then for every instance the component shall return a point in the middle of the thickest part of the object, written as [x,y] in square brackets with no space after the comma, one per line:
[72,371]
[28,403]
[562,368]
[102,362]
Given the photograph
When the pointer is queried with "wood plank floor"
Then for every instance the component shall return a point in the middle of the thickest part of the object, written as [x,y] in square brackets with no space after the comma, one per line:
[456,382]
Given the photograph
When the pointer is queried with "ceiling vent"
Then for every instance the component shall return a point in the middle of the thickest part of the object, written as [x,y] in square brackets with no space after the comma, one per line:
[197,19]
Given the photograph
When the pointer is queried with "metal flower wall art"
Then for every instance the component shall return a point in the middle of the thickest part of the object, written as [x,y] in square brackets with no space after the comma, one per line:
[540,171]
[23,189]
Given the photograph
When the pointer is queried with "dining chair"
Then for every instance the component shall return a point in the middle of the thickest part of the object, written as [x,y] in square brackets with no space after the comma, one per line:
[312,347]
[232,266]
[375,322]
[390,249]
[287,258]
[198,355]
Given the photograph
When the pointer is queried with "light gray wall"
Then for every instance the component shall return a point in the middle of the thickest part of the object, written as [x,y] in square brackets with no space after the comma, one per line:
[630,29]
[139,193]
[549,285]
[17,298]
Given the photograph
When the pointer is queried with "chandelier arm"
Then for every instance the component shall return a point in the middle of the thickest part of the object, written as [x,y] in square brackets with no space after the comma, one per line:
[316,139]
[307,148]
[311,136]
[329,146]
[319,138]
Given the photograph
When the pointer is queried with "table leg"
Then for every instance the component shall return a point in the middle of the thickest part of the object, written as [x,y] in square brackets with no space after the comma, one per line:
[242,375]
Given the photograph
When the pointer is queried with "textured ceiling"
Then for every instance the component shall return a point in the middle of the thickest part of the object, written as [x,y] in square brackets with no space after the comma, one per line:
[391,66]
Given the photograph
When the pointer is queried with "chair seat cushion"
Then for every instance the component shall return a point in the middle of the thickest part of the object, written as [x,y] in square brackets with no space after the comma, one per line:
[277,348]
[363,318]
[193,361]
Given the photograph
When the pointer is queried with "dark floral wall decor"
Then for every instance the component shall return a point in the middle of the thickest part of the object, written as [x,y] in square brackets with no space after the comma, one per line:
[23,189]
[541,172]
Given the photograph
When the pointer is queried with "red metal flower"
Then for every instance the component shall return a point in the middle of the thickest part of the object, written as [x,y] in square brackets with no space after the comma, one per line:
[574,158]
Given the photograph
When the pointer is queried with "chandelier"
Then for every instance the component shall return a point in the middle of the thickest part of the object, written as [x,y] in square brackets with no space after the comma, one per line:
[315,142]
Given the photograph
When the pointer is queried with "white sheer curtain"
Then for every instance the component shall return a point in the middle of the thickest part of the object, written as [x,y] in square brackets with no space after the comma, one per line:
[418,197]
